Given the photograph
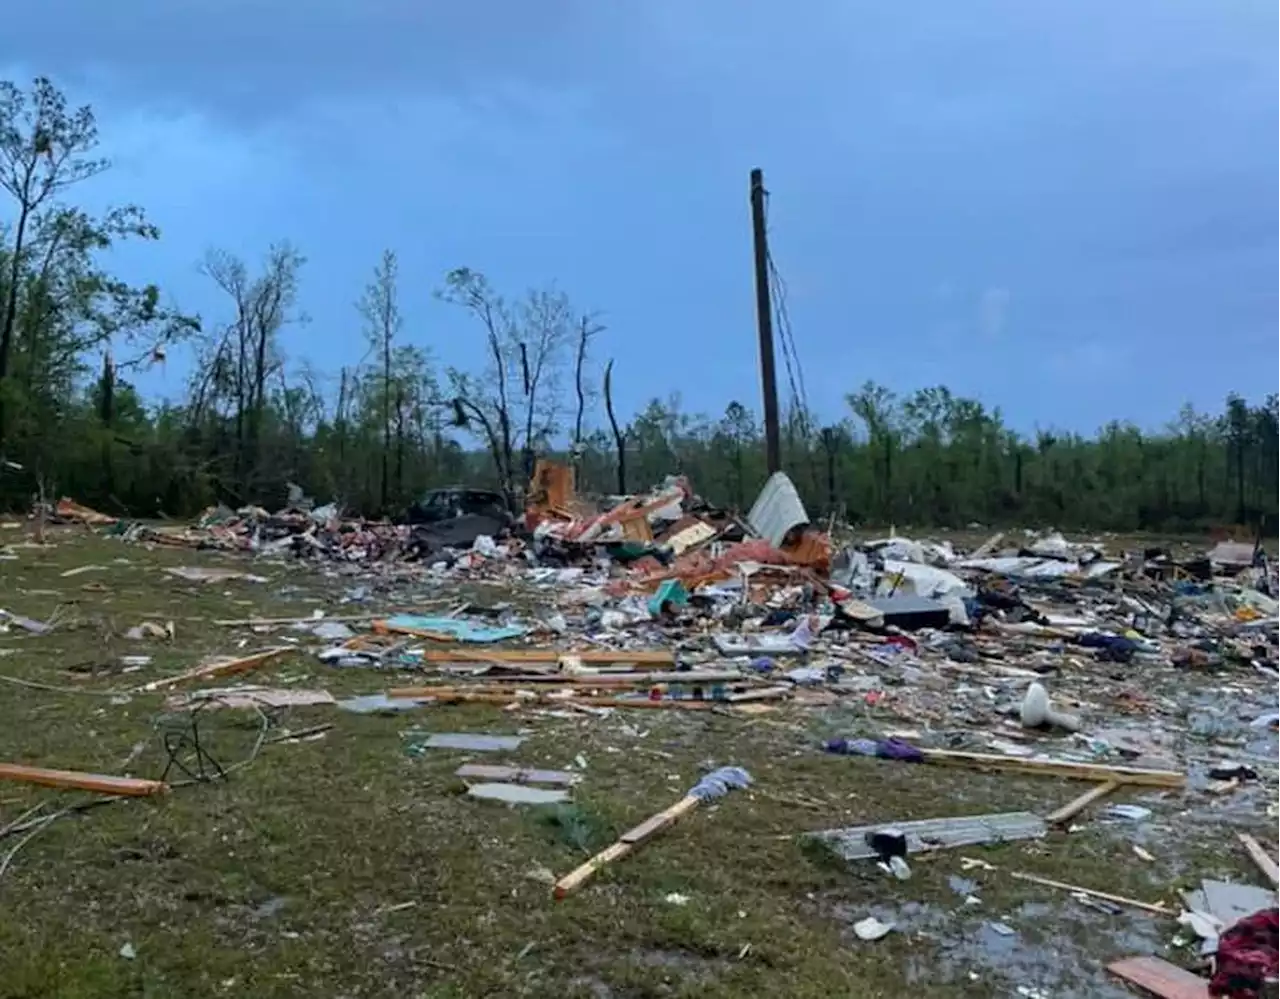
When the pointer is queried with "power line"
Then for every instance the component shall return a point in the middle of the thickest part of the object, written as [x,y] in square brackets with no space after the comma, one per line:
[786,339]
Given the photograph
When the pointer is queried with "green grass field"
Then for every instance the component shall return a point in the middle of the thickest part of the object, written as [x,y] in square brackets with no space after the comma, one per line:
[345,866]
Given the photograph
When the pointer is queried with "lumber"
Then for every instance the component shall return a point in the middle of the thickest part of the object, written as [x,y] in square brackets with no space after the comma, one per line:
[451,695]
[601,679]
[1056,768]
[227,667]
[104,783]
[1077,805]
[250,622]
[713,785]
[625,844]
[1160,978]
[1260,857]
[1157,909]
[602,657]
[682,704]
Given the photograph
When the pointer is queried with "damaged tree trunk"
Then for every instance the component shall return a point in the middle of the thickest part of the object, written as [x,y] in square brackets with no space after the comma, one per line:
[619,437]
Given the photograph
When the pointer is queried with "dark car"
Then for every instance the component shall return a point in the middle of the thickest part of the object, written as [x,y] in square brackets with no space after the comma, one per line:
[458,501]
[455,517]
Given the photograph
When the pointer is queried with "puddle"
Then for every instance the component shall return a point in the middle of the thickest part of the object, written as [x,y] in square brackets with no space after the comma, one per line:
[1059,948]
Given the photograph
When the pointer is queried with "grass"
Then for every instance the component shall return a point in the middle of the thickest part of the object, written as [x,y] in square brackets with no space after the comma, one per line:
[295,876]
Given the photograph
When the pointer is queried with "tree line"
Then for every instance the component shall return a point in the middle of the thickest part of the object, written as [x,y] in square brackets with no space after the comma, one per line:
[376,434]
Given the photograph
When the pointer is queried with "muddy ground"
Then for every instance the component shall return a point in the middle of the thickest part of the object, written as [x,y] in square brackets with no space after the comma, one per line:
[348,865]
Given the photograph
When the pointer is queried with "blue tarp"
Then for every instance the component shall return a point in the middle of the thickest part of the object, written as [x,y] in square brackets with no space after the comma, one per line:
[462,631]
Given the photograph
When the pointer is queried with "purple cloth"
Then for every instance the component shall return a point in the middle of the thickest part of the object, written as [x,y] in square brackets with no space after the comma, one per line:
[897,749]
[884,749]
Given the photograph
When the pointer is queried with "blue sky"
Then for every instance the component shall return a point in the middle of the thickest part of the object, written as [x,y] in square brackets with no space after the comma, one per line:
[1066,209]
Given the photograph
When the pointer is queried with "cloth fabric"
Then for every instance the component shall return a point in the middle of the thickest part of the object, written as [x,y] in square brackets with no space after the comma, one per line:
[1247,954]
[884,749]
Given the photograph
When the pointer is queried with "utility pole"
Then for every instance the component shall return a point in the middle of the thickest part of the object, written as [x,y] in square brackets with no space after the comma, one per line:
[764,320]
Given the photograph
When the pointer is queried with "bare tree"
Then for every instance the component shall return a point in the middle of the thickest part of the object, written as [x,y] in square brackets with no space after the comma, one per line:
[380,308]
[248,346]
[619,436]
[545,332]
[588,328]
[517,399]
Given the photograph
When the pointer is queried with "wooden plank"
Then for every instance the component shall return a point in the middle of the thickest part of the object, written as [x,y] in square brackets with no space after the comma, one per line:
[1160,978]
[594,679]
[1056,768]
[131,786]
[225,668]
[248,622]
[925,835]
[454,695]
[762,694]
[1073,808]
[1261,858]
[684,704]
[647,657]
[1158,909]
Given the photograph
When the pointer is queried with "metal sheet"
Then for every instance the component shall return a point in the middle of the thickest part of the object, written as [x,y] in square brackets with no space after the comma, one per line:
[925,835]
[768,644]
[517,794]
[777,509]
[381,704]
[515,775]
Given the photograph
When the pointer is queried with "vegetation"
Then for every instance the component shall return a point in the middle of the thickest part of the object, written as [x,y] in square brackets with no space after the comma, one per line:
[253,420]
[346,866]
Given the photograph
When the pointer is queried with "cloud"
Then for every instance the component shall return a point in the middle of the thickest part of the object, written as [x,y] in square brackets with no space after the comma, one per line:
[993,312]
[260,59]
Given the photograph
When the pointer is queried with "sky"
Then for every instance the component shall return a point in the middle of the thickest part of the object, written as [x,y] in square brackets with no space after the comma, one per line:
[1065,209]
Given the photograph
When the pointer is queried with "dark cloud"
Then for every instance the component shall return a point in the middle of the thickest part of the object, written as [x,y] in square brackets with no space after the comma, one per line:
[256,58]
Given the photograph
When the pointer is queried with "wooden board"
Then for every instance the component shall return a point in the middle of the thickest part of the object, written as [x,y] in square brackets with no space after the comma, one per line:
[925,835]
[104,783]
[628,679]
[1260,857]
[1073,808]
[226,668]
[1056,768]
[648,657]
[1160,978]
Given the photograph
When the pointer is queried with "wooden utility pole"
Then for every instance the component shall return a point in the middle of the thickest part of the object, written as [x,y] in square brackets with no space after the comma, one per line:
[764,320]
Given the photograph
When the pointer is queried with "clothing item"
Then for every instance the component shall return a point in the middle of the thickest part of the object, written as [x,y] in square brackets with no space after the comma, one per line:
[1247,953]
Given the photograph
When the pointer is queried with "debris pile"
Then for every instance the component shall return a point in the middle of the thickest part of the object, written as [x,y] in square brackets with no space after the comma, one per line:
[1153,668]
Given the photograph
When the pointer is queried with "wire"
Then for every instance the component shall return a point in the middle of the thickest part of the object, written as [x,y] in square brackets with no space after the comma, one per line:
[785,335]
[39,825]
[34,685]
